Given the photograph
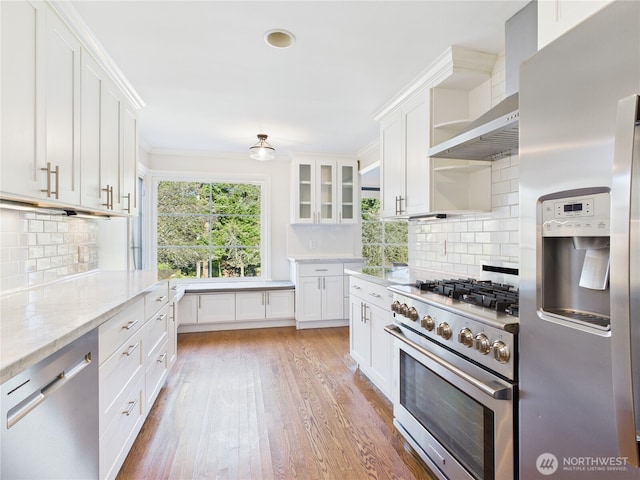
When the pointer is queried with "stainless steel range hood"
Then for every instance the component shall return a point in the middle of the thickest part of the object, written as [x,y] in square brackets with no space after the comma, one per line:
[494,135]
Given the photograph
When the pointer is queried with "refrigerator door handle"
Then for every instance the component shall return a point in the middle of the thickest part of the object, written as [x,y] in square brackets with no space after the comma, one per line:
[625,277]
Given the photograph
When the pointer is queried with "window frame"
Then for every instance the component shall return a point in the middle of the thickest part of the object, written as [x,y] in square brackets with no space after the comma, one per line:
[260,180]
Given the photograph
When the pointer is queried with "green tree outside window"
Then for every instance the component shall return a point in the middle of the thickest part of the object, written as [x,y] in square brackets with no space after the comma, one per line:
[209,230]
[384,242]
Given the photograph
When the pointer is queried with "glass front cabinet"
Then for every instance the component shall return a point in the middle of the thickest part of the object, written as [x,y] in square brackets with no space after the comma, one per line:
[325,191]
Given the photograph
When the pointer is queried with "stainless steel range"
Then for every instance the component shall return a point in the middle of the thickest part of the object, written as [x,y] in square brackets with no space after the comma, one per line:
[455,374]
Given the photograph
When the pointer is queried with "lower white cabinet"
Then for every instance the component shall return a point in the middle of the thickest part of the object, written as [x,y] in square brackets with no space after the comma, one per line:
[237,309]
[134,357]
[320,293]
[370,345]
[264,305]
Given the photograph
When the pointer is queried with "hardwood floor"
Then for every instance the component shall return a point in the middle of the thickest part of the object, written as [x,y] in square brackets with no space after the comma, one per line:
[275,403]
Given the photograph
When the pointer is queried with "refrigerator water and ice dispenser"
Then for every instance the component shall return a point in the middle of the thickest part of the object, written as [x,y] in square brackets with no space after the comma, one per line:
[575,231]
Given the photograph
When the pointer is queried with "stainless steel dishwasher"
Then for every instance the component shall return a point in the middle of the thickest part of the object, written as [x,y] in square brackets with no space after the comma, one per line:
[50,416]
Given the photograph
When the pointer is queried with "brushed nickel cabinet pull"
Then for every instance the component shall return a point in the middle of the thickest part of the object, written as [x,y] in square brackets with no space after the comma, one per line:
[161,299]
[131,349]
[130,324]
[128,207]
[132,405]
[161,317]
[162,357]
[50,172]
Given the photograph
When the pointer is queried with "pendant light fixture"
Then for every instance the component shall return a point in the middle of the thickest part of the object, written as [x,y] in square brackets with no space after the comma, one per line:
[262,150]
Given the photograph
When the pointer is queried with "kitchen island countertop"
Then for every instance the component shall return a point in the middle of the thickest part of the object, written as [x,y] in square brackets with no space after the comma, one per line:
[36,322]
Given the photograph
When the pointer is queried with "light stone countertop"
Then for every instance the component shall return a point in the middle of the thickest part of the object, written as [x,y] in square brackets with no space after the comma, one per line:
[36,322]
[244,286]
[327,259]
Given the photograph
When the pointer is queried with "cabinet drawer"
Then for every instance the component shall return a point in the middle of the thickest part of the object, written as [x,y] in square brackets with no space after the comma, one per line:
[115,331]
[156,372]
[379,295]
[120,433]
[156,330]
[357,286]
[320,269]
[118,371]
[156,298]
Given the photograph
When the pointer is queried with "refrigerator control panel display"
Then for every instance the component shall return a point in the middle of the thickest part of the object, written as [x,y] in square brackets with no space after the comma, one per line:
[576,216]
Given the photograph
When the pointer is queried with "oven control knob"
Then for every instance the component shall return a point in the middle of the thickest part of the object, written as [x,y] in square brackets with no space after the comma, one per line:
[482,344]
[395,306]
[465,337]
[427,322]
[413,314]
[444,330]
[500,351]
[404,309]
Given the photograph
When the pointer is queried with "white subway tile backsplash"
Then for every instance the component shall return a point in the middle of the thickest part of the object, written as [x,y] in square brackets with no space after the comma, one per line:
[473,239]
[39,248]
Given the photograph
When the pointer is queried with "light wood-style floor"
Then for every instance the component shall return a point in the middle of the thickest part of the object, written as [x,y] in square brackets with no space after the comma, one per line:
[275,403]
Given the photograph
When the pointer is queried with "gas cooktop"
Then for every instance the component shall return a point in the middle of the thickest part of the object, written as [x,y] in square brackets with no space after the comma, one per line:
[484,293]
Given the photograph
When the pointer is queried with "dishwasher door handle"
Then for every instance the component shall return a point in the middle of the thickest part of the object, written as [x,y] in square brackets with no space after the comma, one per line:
[23,408]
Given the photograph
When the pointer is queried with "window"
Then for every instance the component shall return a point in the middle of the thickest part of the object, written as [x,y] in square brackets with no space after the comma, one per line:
[209,230]
[383,242]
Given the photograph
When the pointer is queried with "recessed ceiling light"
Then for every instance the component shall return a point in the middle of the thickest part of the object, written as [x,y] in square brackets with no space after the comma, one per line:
[279,38]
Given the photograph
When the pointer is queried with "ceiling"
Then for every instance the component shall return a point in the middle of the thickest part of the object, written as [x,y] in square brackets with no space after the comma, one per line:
[210,82]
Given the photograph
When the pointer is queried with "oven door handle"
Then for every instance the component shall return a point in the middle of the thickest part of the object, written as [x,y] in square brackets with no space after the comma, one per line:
[493,389]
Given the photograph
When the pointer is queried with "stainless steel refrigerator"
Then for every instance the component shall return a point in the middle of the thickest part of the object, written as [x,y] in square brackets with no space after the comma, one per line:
[579,358]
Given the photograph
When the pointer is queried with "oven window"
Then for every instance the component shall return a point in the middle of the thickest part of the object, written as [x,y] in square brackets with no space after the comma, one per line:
[462,425]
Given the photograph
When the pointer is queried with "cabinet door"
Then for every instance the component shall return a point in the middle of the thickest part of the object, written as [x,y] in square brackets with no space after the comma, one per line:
[280,304]
[381,348]
[348,198]
[217,307]
[129,181]
[62,112]
[188,308]
[110,147]
[309,299]
[250,305]
[305,192]
[91,97]
[359,333]
[418,183]
[332,297]
[326,192]
[392,166]
[21,85]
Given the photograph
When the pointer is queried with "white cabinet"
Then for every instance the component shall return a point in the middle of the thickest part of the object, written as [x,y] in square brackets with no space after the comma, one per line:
[320,294]
[455,90]
[69,136]
[61,174]
[325,191]
[129,179]
[264,305]
[370,345]
[238,309]
[555,17]
[40,105]
[121,373]
[216,307]
[22,96]
[404,135]
[108,143]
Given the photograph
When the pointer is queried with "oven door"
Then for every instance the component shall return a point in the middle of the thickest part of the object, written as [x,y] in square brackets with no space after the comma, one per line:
[457,416]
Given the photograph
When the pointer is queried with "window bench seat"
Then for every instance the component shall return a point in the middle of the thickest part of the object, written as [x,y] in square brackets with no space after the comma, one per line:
[209,306]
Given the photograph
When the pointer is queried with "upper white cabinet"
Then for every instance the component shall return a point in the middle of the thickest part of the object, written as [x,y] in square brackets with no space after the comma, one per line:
[22,112]
[404,135]
[69,129]
[555,17]
[454,90]
[325,191]
[62,113]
